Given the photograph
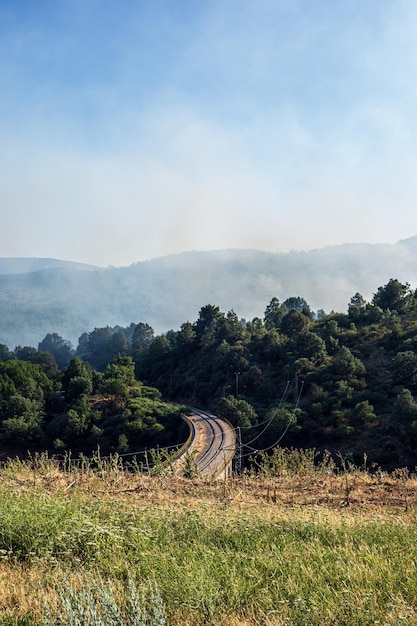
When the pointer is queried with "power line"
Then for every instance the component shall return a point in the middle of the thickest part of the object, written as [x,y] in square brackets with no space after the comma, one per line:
[269,421]
[297,396]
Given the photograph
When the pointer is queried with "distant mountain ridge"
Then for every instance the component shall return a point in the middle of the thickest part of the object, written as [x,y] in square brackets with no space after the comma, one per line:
[38,296]
[23,265]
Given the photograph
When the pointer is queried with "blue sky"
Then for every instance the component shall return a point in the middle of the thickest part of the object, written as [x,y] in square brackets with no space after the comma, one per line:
[135,129]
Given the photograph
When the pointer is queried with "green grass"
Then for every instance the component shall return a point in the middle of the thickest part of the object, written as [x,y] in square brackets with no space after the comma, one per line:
[214,561]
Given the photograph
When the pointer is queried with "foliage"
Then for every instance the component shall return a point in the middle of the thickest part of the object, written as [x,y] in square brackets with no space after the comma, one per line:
[76,380]
[394,296]
[61,349]
[37,413]
[237,412]
[24,391]
[343,376]
[90,600]
[404,368]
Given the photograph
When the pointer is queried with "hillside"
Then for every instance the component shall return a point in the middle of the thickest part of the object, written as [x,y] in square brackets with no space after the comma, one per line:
[344,383]
[19,265]
[42,296]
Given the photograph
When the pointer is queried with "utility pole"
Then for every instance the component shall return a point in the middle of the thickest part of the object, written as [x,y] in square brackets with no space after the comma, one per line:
[238,455]
[296,389]
[237,383]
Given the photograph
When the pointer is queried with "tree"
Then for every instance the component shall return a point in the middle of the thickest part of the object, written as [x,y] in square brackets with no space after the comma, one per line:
[298,304]
[274,313]
[404,368]
[228,359]
[208,315]
[75,423]
[5,354]
[331,328]
[45,360]
[155,364]
[95,348]
[78,386]
[60,348]
[346,365]
[233,329]
[77,380]
[282,419]
[311,346]
[83,346]
[294,323]
[118,344]
[238,412]
[394,296]
[185,338]
[405,408]
[142,337]
[356,307]
[118,376]
[24,389]
[22,429]
[114,386]
[363,414]
[25,378]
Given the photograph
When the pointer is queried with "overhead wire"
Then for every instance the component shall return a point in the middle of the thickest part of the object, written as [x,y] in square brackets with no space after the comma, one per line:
[277,442]
[269,420]
[268,423]
[281,402]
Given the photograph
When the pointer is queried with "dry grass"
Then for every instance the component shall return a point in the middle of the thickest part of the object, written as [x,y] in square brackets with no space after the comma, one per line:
[356,490]
[303,500]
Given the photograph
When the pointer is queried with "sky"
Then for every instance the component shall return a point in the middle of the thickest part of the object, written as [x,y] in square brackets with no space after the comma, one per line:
[132,129]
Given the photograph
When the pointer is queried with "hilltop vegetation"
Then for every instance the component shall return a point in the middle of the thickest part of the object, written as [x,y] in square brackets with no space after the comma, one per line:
[39,296]
[346,383]
[77,409]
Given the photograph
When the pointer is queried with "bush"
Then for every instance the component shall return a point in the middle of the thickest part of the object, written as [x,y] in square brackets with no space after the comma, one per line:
[88,600]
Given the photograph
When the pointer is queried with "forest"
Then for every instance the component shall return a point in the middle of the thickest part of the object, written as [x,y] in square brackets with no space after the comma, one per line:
[41,296]
[338,383]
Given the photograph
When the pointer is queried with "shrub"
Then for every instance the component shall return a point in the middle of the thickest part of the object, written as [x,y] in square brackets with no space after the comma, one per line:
[89,601]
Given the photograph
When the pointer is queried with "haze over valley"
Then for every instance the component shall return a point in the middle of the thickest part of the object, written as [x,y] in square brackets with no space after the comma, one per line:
[135,133]
[40,296]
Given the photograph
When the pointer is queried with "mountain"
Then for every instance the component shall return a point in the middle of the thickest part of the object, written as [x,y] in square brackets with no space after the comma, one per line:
[40,296]
[18,265]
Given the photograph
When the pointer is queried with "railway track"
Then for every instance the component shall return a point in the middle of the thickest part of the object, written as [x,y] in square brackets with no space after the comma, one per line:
[212,445]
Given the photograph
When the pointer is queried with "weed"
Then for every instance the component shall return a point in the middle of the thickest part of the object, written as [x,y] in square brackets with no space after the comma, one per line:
[90,601]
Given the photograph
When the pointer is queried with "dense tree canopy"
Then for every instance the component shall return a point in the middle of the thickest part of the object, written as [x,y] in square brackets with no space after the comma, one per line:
[24,391]
[60,348]
[343,382]
[394,296]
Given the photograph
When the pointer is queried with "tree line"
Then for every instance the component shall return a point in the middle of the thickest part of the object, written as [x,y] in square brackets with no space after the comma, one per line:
[344,382]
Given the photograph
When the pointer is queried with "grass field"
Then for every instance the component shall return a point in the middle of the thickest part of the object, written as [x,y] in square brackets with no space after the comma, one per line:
[307,546]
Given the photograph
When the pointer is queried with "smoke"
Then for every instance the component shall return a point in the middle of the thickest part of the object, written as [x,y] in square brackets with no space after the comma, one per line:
[247,125]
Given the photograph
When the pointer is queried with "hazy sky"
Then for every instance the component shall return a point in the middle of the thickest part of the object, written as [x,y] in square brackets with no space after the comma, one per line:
[131,129]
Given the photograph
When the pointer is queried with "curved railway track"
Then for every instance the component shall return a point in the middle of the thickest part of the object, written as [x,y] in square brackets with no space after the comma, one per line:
[213,444]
